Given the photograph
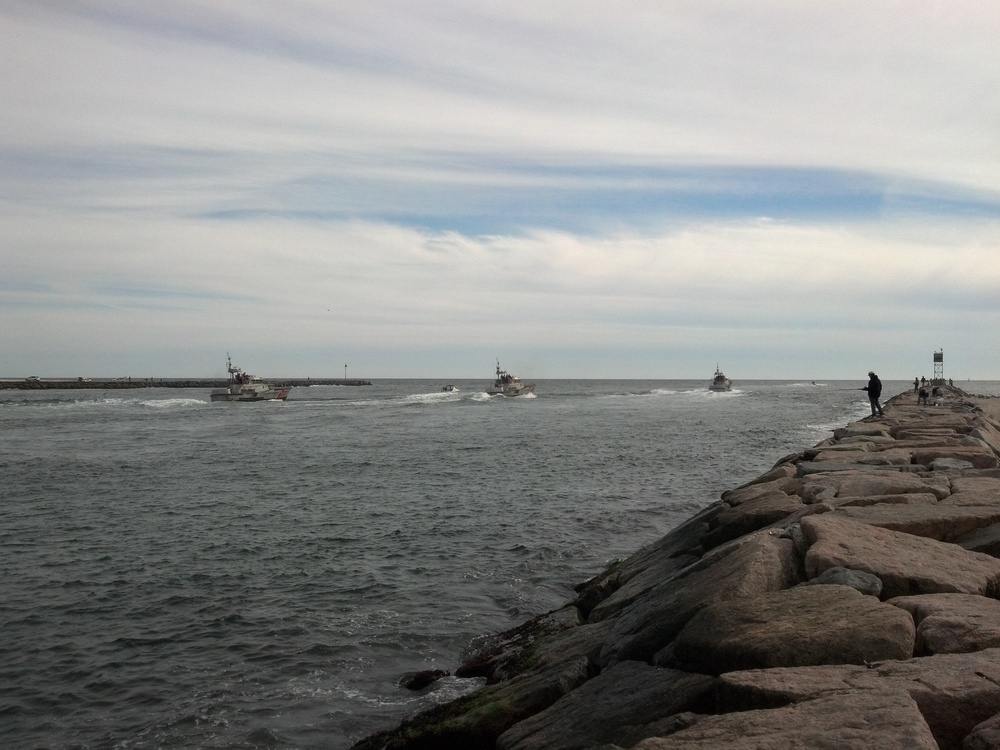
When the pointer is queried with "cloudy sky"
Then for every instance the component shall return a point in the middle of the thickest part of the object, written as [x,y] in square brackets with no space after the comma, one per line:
[582,189]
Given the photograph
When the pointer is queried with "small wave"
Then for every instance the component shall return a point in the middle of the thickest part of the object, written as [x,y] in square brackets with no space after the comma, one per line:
[430,398]
[173,403]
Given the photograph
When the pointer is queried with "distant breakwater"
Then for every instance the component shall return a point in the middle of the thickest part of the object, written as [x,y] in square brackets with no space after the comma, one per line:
[125,383]
[846,598]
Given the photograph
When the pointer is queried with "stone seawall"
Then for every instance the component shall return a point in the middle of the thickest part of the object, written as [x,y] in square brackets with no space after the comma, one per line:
[847,598]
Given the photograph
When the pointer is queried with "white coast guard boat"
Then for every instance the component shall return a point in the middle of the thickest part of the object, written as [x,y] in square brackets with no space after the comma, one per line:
[245,387]
[720,382]
[506,384]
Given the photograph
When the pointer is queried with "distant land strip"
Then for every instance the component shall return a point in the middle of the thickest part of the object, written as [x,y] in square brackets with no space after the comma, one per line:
[70,383]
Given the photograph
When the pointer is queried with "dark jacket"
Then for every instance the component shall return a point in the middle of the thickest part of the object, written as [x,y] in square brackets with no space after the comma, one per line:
[874,387]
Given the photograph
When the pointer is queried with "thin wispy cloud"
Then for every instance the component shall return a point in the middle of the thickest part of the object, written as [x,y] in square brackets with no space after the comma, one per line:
[779,186]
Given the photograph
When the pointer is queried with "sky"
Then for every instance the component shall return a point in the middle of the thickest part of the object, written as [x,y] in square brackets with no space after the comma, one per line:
[394,189]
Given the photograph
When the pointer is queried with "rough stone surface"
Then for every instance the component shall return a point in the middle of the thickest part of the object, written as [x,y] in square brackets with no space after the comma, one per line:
[753,514]
[848,721]
[855,482]
[859,580]
[953,623]
[942,521]
[913,498]
[614,589]
[824,624]
[509,653]
[476,720]
[784,485]
[569,645]
[985,736]
[978,457]
[905,564]
[659,571]
[886,457]
[955,692]
[989,498]
[621,699]
[986,541]
[762,562]
[975,484]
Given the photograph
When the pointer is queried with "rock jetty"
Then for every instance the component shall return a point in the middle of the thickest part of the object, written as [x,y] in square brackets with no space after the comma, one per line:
[847,598]
[35,384]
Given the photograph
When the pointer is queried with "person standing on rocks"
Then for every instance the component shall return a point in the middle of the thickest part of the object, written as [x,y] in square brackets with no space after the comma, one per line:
[874,389]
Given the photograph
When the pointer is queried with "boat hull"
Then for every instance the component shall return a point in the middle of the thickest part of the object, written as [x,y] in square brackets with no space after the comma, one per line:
[512,390]
[247,396]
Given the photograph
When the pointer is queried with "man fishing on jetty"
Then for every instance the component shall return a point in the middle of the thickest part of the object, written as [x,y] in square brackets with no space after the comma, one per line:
[874,389]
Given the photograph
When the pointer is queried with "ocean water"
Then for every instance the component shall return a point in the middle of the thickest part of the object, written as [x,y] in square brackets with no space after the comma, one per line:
[184,574]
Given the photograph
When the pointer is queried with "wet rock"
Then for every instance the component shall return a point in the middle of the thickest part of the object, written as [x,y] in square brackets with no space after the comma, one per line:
[505,654]
[618,702]
[756,564]
[626,580]
[420,680]
[476,720]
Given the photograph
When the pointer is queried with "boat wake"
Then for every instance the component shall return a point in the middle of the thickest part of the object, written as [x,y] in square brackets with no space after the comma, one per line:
[436,397]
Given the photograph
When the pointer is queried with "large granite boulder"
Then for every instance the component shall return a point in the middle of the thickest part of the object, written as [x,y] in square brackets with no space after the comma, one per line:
[856,482]
[985,736]
[985,540]
[913,498]
[973,497]
[823,624]
[988,434]
[888,457]
[974,482]
[980,458]
[620,700]
[906,564]
[859,580]
[751,515]
[847,721]
[625,580]
[501,656]
[944,521]
[786,484]
[954,692]
[953,623]
[755,564]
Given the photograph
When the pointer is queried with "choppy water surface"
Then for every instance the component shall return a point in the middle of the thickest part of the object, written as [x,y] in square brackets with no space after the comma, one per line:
[187,574]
